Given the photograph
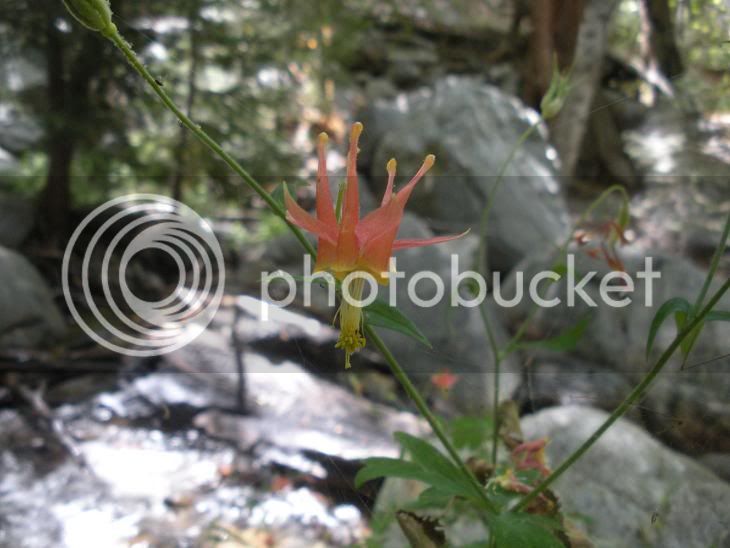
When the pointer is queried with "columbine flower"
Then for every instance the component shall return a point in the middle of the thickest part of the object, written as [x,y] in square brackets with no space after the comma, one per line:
[354,245]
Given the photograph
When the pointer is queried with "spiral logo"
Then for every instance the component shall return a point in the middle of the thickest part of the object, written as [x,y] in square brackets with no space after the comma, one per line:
[143,275]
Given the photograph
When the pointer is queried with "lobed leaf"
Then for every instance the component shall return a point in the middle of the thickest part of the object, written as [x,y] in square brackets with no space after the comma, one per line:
[512,530]
[378,467]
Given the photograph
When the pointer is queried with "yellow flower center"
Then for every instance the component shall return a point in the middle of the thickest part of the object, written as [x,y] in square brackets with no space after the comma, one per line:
[351,339]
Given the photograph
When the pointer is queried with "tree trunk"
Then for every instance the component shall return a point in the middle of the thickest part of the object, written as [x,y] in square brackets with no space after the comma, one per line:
[56,195]
[662,39]
[555,25]
[569,128]
[71,67]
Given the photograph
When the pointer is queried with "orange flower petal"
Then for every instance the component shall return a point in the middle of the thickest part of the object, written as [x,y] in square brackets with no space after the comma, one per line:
[405,192]
[351,204]
[296,215]
[375,254]
[406,243]
[384,219]
[325,207]
[391,178]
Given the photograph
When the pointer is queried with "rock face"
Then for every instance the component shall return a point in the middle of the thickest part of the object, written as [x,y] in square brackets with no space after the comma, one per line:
[688,408]
[471,128]
[628,479]
[29,316]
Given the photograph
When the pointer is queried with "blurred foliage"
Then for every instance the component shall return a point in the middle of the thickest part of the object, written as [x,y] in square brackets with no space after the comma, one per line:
[253,68]
[259,75]
[702,29]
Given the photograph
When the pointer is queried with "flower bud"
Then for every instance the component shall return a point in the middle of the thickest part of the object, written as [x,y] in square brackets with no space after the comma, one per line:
[93,14]
[554,98]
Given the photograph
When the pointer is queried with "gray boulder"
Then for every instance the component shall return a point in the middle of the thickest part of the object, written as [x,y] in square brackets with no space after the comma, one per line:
[631,489]
[688,407]
[29,316]
[471,128]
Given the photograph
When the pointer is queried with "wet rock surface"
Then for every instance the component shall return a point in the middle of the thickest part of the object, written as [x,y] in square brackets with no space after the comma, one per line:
[163,456]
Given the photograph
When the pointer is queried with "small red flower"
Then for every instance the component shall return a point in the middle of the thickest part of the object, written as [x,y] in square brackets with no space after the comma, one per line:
[444,380]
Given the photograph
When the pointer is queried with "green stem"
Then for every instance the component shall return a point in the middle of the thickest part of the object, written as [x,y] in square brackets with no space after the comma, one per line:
[635,394]
[562,253]
[438,429]
[714,264]
[484,221]
[482,269]
[126,49]
[497,359]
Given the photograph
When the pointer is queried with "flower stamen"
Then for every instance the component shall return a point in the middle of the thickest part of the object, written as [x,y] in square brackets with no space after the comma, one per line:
[351,339]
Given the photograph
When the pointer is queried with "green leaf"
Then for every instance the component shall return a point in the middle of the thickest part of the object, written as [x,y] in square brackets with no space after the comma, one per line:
[471,432]
[718,316]
[512,530]
[278,194]
[566,340]
[426,455]
[430,498]
[379,467]
[381,314]
[561,269]
[442,473]
[680,320]
[672,306]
